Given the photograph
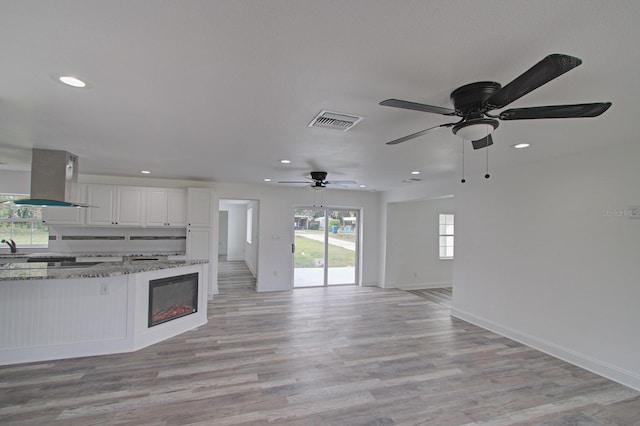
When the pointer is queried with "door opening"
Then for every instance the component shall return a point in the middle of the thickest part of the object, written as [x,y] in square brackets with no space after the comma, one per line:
[238,235]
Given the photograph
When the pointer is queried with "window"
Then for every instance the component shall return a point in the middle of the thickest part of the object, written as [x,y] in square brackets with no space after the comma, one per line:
[22,224]
[249,225]
[446,236]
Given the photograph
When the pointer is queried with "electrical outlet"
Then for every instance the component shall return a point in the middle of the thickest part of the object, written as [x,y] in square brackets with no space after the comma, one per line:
[104,289]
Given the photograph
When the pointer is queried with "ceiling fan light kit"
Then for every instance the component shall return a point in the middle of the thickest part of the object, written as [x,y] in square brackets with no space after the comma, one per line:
[475,129]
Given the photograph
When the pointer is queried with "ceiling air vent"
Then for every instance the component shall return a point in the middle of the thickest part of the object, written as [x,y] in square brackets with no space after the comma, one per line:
[335,120]
[411,180]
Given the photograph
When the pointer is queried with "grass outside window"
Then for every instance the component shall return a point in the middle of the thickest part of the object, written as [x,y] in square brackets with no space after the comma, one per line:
[307,250]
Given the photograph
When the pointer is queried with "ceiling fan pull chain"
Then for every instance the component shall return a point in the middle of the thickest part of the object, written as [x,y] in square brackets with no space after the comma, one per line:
[486,176]
[463,180]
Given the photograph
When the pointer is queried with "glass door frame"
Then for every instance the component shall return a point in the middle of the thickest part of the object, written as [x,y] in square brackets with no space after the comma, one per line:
[327,210]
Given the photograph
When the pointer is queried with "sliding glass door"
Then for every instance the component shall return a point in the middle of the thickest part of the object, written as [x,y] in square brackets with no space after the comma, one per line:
[309,247]
[341,247]
[325,247]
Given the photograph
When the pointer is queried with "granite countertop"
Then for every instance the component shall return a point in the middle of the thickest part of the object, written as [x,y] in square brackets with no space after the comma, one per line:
[43,270]
[96,254]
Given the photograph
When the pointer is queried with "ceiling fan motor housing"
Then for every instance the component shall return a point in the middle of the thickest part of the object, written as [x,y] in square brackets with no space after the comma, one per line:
[471,99]
[319,176]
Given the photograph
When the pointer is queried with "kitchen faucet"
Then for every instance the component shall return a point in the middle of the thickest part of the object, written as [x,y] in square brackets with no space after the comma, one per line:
[11,244]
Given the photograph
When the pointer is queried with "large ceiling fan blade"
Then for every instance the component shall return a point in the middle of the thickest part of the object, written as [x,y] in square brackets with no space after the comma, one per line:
[482,143]
[420,133]
[294,181]
[556,111]
[341,182]
[397,103]
[541,73]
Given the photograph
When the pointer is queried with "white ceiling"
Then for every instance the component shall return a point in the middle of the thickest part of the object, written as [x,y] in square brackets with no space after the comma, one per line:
[222,90]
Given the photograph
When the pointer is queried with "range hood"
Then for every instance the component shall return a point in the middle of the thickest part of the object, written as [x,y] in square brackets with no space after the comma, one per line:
[54,179]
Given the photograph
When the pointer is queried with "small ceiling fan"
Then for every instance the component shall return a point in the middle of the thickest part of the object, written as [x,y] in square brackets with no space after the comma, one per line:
[318,181]
[473,102]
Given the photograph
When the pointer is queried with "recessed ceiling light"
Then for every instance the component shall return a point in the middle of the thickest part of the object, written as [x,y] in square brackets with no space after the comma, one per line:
[363,186]
[521,145]
[145,172]
[415,172]
[285,161]
[72,81]
[267,180]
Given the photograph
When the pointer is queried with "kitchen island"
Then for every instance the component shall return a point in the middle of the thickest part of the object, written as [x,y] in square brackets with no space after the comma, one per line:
[54,310]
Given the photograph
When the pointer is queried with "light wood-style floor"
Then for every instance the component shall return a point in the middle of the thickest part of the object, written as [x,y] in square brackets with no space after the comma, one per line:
[314,356]
[440,296]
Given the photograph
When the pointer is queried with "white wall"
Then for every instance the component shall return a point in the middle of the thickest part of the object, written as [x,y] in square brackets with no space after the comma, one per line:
[545,255]
[223,232]
[413,260]
[410,193]
[251,250]
[15,182]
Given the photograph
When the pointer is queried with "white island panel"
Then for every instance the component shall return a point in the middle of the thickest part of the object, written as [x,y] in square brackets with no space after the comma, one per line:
[44,319]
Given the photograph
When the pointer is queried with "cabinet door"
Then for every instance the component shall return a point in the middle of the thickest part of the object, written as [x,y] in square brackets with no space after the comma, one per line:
[177,207]
[198,243]
[62,215]
[66,215]
[199,207]
[130,206]
[157,202]
[102,200]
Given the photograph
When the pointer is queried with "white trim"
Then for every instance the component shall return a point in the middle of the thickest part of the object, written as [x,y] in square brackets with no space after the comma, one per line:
[617,374]
[421,286]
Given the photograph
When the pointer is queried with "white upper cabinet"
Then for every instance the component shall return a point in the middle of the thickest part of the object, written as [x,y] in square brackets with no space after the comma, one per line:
[102,198]
[177,208]
[166,207]
[130,206]
[199,207]
[66,215]
[115,205]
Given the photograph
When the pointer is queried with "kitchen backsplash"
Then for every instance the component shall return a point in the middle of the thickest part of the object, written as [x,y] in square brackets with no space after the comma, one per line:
[117,240]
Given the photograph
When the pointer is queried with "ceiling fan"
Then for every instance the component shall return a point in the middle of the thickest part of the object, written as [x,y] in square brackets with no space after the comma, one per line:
[473,102]
[318,181]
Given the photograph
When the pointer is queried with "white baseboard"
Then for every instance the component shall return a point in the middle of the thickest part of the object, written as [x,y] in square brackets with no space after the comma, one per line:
[612,372]
[423,286]
[251,270]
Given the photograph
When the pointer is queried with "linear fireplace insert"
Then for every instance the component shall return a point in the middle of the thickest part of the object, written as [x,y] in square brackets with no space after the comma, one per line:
[173,297]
